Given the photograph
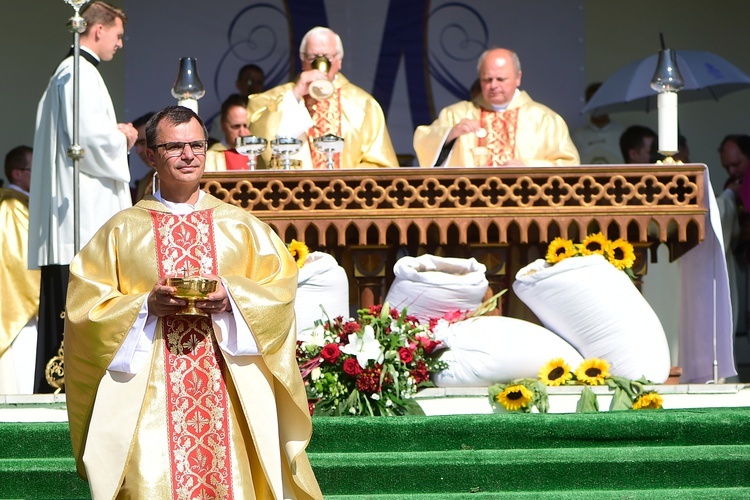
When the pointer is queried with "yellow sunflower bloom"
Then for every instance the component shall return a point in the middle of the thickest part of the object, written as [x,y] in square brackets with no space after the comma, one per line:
[594,244]
[592,371]
[560,249]
[299,251]
[621,254]
[556,372]
[648,401]
[515,397]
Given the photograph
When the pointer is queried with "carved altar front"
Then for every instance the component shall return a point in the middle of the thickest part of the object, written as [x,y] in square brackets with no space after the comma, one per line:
[504,217]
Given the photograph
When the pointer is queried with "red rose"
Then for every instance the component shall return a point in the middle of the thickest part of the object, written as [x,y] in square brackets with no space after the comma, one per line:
[405,355]
[375,310]
[330,353]
[351,367]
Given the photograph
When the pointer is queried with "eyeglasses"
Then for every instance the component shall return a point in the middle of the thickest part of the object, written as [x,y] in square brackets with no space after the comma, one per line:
[311,57]
[172,149]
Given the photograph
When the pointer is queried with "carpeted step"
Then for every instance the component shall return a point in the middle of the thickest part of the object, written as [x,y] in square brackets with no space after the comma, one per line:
[47,478]
[511,430]
[541,469]
[631,494]
[37,439]
[647,454]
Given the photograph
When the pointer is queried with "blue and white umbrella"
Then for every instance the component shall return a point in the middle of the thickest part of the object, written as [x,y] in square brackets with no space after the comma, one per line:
[706,76]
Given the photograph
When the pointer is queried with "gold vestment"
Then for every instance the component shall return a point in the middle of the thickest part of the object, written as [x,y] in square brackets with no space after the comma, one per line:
[122,418]
[20,286]
[366,140]
[215,161]
[539,136]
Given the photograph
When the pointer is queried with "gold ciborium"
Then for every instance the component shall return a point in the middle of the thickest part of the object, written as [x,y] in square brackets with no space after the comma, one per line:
[192,289]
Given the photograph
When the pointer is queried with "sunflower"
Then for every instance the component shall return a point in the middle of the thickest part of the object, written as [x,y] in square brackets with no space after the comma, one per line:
[299,251]
[515,397]
[556,372]
[620,253]
[593,244]
[650,400]
[592,371]
[560,249]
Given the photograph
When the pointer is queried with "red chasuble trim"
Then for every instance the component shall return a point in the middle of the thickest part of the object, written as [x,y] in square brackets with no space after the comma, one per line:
[326,117]
[197,399]
[501,135]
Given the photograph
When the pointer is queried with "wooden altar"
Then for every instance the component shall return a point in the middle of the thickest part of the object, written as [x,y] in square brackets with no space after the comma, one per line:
[504,217]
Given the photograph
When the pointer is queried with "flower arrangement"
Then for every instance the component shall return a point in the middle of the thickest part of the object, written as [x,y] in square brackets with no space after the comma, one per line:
[299,251]
[525,394]
[619,252]
[370,365]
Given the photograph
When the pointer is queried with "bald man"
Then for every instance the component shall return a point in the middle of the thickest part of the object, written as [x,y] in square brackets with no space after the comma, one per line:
[501,126]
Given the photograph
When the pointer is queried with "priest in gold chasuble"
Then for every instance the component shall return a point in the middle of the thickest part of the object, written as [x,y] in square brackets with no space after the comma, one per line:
[289,110]
[163,405]
[502,126]
[20,303]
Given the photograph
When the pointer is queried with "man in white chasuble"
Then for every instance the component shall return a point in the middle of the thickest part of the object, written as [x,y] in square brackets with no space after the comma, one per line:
[502,126]
[163,404]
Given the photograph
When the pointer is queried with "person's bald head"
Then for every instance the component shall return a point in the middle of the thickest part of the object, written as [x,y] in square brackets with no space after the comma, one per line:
[499,73]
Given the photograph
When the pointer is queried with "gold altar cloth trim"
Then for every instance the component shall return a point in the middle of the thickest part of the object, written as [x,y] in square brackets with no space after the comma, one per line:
[522,200]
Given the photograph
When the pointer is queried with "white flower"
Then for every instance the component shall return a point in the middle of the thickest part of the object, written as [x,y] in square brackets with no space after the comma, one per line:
[388,403]
[314,337]
[375,396]
[316,373]
[365,347]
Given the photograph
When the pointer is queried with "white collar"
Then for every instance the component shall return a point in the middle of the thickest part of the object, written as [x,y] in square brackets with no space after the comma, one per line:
[16,188]
[179,208]
[92,53]
[502,107]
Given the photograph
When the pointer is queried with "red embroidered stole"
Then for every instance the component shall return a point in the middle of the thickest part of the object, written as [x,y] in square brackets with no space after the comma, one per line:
[326,117]
[197,399]
[500,140]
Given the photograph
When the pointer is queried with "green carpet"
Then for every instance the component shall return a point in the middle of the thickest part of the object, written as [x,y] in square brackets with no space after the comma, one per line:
[637,454]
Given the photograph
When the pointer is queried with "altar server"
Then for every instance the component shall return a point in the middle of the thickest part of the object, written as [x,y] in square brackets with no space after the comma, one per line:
[104,174]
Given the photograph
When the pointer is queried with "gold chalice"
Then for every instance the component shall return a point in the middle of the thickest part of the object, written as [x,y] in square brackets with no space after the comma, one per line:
[321,89]
[192,289]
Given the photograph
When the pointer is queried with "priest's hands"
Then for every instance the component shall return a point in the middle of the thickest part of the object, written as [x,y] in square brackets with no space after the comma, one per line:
[465,126]
[218,301]
[131,134]
[161,300]
[302,85]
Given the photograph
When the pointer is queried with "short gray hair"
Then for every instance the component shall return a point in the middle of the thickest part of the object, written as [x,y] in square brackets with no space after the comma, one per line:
[513,57]
[317,32]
